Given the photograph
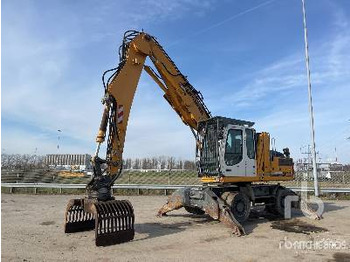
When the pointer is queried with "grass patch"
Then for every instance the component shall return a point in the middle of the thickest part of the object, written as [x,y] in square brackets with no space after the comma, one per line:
[81,191]
[336,196]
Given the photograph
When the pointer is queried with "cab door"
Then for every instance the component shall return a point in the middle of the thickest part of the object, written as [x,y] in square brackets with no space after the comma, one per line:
[232,158]
[249,155]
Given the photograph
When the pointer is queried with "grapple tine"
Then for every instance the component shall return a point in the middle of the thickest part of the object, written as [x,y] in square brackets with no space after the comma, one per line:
[105,218]
[125,217]
[114,222]
[109,217]
[101,218]
[76,219]
[113,211]
[119,215]
[131,218]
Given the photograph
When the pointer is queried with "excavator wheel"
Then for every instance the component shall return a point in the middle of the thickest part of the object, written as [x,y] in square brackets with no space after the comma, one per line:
[271,208]
[194,210]
[112,220]
[278,206]
[239,204]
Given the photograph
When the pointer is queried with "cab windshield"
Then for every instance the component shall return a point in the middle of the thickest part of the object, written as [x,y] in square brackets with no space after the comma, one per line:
[234,147]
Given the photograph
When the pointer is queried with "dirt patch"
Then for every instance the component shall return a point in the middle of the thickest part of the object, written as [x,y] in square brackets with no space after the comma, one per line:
[261,237]
[47,223]
[340,257]
[297,226]
[211,239]
[177,237]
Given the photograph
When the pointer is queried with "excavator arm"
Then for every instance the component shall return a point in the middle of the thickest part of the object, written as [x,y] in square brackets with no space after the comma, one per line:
[119,94]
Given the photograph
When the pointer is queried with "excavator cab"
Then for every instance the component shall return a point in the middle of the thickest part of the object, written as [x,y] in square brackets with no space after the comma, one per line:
[232,151]
[228,147]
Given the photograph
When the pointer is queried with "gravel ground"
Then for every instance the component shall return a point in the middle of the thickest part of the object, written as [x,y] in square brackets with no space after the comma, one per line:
[32,230]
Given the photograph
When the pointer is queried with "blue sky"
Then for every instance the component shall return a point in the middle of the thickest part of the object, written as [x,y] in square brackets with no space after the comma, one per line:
[246,57]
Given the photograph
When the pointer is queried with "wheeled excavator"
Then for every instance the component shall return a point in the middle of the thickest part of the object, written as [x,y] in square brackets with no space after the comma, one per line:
[234,161]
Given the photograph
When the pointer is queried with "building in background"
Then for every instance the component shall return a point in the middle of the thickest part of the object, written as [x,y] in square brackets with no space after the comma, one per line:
[78,162]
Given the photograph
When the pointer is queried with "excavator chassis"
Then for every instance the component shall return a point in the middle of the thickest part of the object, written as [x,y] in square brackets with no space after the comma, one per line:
[230,204]
[113,220]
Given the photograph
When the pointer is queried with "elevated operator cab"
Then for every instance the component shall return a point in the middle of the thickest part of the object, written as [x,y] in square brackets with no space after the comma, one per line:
[231,148]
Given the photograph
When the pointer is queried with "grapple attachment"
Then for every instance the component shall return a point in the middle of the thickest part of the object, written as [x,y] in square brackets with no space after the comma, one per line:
[113,220]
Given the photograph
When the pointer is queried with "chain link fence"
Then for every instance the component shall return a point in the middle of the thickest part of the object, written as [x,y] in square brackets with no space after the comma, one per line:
[331,179]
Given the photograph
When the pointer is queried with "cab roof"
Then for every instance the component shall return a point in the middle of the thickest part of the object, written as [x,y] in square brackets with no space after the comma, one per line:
[224,121]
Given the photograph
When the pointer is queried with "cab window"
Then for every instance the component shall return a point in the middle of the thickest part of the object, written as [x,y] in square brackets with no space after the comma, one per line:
[234,147]
[250,143]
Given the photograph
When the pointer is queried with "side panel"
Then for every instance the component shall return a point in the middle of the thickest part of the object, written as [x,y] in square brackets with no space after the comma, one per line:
[263,165]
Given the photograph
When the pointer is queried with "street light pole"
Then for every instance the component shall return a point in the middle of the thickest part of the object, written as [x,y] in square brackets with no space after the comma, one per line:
[58,146]
[311,110]
[58,140]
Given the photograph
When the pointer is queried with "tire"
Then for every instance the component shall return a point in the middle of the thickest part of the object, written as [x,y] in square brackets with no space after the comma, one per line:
[239,205]
[271,208]
[281,194]
[194,210]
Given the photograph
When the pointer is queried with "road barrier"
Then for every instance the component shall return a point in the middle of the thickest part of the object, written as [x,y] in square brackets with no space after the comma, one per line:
[139,187]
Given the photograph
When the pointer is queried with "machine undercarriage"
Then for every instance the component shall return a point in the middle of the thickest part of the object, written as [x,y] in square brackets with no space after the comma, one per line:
[231,204]
[113,220]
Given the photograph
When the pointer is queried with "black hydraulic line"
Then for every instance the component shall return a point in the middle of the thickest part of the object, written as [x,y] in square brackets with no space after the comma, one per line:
[104,74]
[178,74]
[155,73]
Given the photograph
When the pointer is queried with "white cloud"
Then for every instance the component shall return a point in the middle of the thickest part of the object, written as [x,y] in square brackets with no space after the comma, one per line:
[289,120]
[275,97]
[38,90]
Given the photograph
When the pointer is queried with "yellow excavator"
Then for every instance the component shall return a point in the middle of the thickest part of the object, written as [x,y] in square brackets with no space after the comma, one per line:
[233,159]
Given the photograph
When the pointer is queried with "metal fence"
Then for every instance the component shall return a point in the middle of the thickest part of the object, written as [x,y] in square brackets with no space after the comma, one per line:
[151,179]
[140,187]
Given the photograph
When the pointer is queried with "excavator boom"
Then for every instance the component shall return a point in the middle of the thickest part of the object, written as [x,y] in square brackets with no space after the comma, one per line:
[113,220]
[121,87]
